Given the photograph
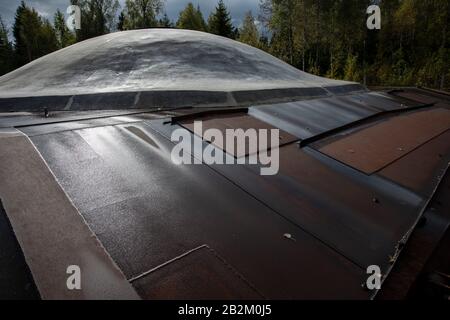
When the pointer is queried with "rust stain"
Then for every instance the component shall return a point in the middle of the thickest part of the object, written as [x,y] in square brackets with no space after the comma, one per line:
[373,148]
[418,170]
[243,121]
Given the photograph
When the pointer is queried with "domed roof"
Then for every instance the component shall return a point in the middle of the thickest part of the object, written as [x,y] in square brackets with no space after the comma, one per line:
[154,59]
[163,68]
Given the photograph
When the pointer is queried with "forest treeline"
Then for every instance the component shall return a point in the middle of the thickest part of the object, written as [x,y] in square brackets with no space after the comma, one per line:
[323,37]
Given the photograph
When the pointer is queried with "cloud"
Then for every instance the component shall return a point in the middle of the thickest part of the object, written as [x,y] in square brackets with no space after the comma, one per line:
[45,8]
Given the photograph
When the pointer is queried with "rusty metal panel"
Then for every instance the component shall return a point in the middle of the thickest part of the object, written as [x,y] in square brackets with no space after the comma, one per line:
[198,274]
[420,169]
[373,148]
[413,95]
[222,122]
[386,101]
[424,96]
[433,228]
[361,217]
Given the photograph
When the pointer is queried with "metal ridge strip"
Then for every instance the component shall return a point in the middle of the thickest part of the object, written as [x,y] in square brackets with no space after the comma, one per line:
[360,122]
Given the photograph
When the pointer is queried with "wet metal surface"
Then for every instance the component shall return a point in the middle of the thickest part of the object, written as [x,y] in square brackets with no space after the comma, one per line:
[305,119]
[146,211]
[196,231]
[28,119]
[50,230]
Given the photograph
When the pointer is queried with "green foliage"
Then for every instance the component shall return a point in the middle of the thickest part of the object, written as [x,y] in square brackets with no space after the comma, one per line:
[165,22]
[98,17]
[219,22]
[34,35]
[351,69]
[6,50]
[288,27]
[121,22]
[436,70]
[330,38]
[191,18]
[323,37]
[249,33]
[141,14]
[64,36]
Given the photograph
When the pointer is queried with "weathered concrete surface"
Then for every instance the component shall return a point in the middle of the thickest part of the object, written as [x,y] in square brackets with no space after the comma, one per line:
[50,230]
[152,60]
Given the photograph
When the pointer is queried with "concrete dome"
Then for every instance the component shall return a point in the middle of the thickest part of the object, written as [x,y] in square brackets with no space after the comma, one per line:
[154,59]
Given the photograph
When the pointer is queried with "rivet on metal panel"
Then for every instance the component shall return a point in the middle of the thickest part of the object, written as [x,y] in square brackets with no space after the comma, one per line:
[289,236]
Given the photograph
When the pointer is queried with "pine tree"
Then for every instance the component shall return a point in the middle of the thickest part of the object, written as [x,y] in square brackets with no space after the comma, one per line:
[288,24]
[6,50]
[219,22]
[121,22]
[249,33]
[98,17]
[141,14]
[34,36]
[63,35]
[191,19]
[165,22]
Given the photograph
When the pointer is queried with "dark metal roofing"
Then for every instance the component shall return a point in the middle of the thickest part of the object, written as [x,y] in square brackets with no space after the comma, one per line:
[373,148]
[425,254]
[146,211]
[220,231]
[306,119]
[237,121]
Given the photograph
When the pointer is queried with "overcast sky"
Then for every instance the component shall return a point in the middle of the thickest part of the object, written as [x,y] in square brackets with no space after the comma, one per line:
[47,8]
